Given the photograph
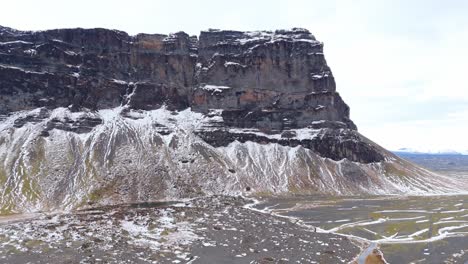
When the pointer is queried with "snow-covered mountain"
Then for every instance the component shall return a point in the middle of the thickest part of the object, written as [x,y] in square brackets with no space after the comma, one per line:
[431,151]
[95,116]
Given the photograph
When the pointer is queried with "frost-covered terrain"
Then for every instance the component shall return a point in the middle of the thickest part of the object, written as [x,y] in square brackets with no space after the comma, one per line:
[137,156]
[205,230]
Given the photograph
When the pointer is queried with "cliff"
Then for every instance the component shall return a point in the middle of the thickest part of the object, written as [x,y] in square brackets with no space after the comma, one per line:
[96,116]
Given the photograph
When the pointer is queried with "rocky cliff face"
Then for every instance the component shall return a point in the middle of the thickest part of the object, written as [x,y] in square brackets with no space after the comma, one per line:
[98,116]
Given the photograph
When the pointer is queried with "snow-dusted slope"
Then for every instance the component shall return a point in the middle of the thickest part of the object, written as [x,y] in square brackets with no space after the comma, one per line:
[156,155]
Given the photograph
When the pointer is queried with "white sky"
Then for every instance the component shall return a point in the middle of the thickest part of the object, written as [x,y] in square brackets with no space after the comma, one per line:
[399,64]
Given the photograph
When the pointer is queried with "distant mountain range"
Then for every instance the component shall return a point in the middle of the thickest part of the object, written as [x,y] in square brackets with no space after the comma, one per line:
[430,152]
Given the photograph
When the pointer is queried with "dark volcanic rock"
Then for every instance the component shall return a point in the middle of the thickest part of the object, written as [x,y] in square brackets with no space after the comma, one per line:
[81,125]
[283,73]
[328,143]
[94,68]
[270,81]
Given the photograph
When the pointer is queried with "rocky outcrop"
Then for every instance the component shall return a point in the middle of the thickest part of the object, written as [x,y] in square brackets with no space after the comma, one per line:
[270,81]
[94,69]
[99,116]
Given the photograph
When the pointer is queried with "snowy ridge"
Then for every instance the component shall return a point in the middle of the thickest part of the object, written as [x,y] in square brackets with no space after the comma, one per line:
[300,35]
[285,166]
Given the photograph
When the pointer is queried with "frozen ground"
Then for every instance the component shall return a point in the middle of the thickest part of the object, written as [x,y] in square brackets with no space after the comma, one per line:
[422,229]
[206,230]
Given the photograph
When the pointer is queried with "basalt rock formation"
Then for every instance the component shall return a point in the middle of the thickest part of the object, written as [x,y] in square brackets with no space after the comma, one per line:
[98,116]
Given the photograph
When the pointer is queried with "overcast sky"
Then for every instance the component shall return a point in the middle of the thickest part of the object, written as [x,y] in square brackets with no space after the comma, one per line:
[401,65]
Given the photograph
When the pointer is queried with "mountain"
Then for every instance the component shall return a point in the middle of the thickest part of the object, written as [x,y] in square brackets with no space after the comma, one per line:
[430,152]
[95,116]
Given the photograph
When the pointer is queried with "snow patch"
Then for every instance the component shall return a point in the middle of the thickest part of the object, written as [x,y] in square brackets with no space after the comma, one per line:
[30,52]
[215,88]
[119,81]
[235,64]
[300,133]
[20,69]
[71,53]
[15,42]
[318,76]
